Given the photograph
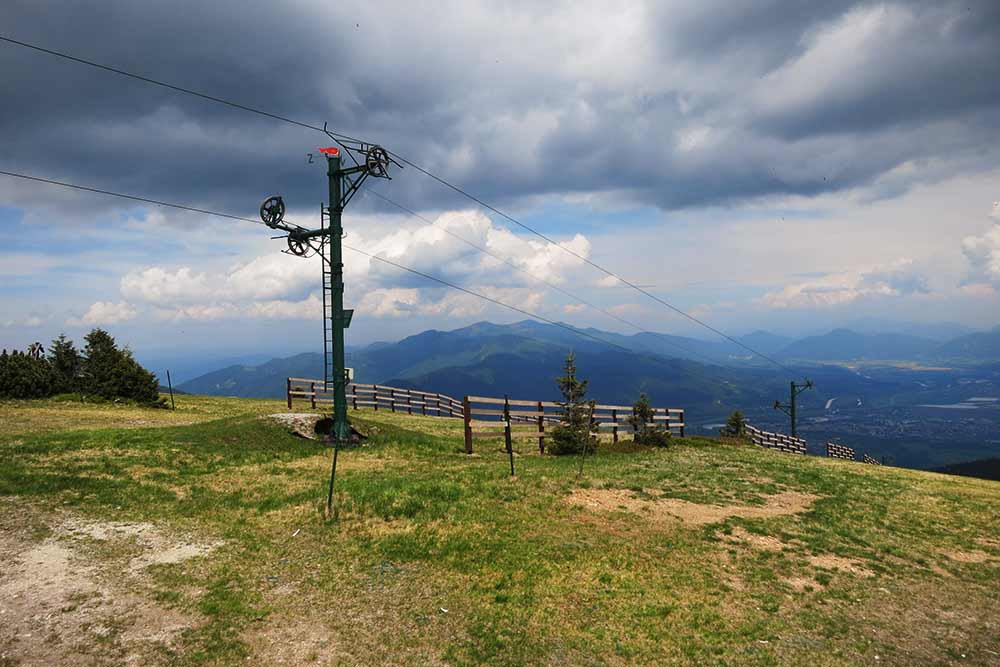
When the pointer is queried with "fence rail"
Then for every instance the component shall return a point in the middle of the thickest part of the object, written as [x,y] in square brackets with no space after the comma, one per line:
[779,441]
[484,416]
[492,417]
[835,451]
[375,396]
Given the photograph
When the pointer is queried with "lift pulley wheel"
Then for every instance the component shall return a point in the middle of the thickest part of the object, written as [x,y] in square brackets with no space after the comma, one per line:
[272,211]
[298,247]
[377,162]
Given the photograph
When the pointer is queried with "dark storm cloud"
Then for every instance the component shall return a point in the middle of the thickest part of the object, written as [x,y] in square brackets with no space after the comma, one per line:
[675,105]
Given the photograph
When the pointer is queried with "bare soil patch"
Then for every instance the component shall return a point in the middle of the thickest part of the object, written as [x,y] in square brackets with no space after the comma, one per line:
[802,584]
[613,500]
[157,548]
[940,622]
[59,607]
[763,542]
[974,556]
[988,542]
[296,641]
[833,562]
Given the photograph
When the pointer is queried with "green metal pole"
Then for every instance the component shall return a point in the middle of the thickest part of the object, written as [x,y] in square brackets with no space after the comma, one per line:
[341,428]
[792,411]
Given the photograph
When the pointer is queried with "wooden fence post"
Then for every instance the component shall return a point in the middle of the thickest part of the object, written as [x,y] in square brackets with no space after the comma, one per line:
[467,414]
[312,398]
[354,394]
[288,391]
[614,425]
[541,427]
[682,423]
[392,400]
[506,432]
[375,396]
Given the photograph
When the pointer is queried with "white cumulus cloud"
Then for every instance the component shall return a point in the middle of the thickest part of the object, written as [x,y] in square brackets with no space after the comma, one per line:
[896,279]
[983,253]
[106,312]
[277,286]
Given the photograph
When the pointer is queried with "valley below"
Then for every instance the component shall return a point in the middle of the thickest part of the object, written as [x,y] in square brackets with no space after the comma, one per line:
[908,413]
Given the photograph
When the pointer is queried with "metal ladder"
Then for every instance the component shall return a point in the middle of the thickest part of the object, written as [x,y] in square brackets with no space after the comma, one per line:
[327,305]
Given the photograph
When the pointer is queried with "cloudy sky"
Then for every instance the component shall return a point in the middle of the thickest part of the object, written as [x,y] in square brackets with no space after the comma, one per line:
[782,165]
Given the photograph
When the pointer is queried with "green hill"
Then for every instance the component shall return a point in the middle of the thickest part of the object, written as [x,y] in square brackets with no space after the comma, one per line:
[975,347]
[847,345]
[523,359]
[196,537]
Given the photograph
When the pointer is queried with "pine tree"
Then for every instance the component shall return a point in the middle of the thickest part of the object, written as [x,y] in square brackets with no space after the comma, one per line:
[65,362]
[735,425]
[24,376]
[574,432]
[111,373]
[643,425]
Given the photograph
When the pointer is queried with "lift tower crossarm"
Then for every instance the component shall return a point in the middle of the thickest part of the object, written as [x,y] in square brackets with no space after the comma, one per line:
[790,407]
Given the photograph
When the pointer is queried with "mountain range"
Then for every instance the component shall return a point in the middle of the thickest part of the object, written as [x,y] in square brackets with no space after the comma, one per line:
[522,360]
[939,406]
[485,357]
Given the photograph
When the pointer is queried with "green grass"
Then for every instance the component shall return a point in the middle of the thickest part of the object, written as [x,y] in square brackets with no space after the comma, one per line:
[873,565]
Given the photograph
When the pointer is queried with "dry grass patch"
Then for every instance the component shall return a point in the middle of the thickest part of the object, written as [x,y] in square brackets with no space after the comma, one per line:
[803,584]
[941,622]
[295,475]
[762,542]
[989,543]
[294,641]
[696,514]
[834,562]
[974,556]
[47,416]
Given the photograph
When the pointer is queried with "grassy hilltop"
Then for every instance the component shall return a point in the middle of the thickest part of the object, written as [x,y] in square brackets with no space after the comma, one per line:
[195,538]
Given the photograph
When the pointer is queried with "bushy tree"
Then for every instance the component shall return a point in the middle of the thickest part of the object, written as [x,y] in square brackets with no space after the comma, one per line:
[103,371]
[65,362]
[643,426]
[110,372]
[24,376]
[736,425]
[574,433]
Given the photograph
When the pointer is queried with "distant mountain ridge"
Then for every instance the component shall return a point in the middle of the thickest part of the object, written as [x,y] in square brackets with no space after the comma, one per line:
[475,357]
[523,359]
[847,345]
[524,356]
[980,346]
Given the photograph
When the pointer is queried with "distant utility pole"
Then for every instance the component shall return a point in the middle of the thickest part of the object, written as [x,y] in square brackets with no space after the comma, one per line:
[344,182]
[789,408]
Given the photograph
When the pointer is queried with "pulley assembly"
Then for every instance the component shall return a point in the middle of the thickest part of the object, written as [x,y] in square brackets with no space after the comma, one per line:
[272,211]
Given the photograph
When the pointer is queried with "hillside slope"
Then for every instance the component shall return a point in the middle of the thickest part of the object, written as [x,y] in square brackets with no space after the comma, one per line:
[524,359]
[198,544]
[975,347]
[847,345]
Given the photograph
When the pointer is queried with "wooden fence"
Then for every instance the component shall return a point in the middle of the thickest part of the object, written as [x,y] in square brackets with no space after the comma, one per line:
[779,441]
[491,417]
[833,450]
[377,397]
